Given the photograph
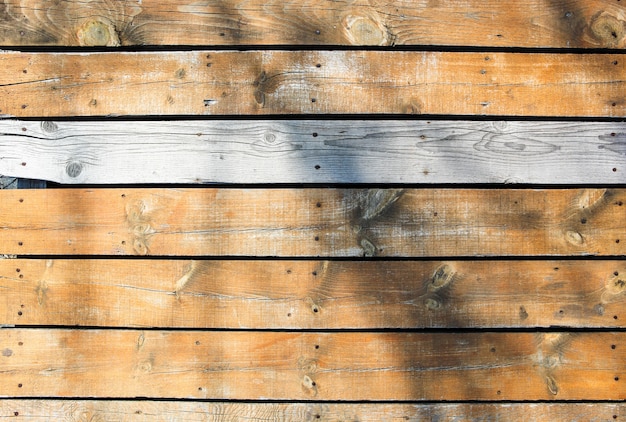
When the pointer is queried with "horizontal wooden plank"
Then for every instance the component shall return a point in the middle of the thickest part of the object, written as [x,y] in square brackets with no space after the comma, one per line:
[313,222]
[312,294]
[529,23]
[279,151]
[313,366]
[311,82]
[163,411]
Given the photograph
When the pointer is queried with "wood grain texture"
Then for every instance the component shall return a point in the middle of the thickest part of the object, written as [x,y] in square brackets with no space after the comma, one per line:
[311,82]
[312,294]
[314,222]
[313,366]
[163,411]
[529,23]
[279,151]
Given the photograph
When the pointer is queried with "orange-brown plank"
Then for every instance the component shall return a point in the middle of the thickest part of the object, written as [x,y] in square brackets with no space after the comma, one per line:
[312,294]
[168,411]
[528,23]
[313,222]
[311,82]
[313,366]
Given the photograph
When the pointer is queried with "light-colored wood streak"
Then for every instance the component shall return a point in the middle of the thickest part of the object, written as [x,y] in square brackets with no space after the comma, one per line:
[313,366]
[312,294]
[311,82]
[167,411]
[314,222]
[279,151]
[529,23]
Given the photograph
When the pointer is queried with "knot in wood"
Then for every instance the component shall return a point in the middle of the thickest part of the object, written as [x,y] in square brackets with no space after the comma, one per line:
[49,127]
[366,30]
[607,30]
[98,33]
[74,169]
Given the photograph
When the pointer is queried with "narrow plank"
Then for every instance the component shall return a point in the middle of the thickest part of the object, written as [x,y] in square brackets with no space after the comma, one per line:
[163,411]
[279,151]
[313,366]
[313,222]
[311,82]
[312,294]
[529,23]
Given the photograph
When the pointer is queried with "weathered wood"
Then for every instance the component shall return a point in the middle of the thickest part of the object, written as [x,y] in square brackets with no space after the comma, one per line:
[163,411]
[279,151]
[313,222]
[313,366]
[312,294]
[530,23]
[311,82]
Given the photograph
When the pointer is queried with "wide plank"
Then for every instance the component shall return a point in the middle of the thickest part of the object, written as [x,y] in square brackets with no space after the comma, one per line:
[170,411]
[311,82]
[286,151]
[314,222]
[281,294]
[528,23]
[313,366]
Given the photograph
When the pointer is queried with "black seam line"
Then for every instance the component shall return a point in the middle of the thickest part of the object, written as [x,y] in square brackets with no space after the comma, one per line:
[309,47]
[340,186]
[417,403]
[426,330]
[318,117]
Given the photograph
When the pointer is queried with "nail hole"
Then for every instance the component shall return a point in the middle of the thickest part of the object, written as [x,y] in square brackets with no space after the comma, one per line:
[20,343]
[288,271]
[318,65]
[317,167]
[316,310]
[616,273]
[614,316]
[317,346]
[20,243]
[616,378]
[197,343]
[19,385]
[317,31]
[613,346]
[21,275]
[289,315]
[314,273]
[313,384]
[123,195]
[318,205]
[614,169]
[493,350]
[21,199]
[314,134]
[583,221]
[16,413]
[17,270]
[317,238]
[615,62]
[313,100]
[23,164]
[613,104]
[616,240]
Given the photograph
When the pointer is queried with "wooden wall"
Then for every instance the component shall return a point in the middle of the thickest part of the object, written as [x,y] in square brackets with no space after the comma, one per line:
[415,211]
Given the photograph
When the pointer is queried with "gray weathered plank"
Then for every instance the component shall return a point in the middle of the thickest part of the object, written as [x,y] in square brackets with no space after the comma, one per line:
[169,411]
[278,151]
